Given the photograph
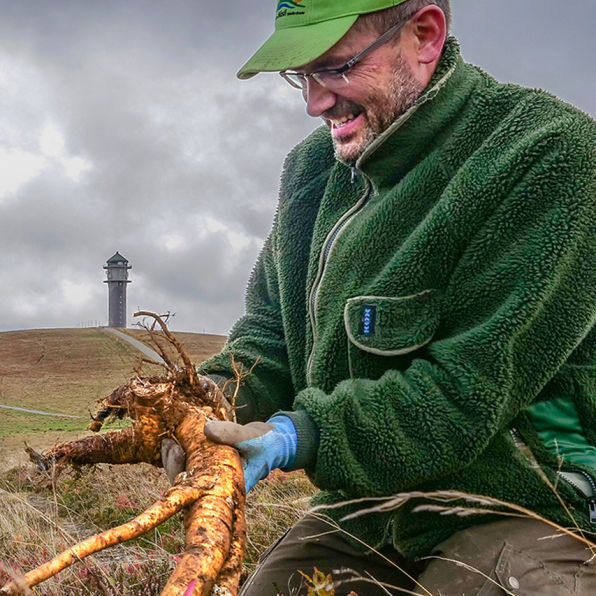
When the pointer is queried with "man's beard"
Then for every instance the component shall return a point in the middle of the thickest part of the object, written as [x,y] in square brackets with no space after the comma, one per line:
[383,110]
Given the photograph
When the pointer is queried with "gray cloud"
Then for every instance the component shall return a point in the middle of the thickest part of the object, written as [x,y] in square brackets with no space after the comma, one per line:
[122,127]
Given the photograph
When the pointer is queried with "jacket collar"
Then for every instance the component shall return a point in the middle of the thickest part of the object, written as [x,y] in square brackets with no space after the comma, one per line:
[413,134]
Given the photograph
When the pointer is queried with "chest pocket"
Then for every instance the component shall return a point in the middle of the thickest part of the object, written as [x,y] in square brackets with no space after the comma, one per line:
[385,332]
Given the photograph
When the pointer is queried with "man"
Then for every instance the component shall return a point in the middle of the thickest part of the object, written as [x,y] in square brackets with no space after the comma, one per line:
[422,314]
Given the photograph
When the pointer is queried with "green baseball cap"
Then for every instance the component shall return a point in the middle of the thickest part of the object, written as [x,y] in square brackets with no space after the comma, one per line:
[306,29]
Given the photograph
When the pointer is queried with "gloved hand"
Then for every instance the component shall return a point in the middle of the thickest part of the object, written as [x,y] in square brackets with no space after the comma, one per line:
[173,458]
[263,446]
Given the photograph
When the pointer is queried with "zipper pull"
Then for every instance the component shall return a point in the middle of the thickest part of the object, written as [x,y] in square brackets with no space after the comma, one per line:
[592,510]
[353,179]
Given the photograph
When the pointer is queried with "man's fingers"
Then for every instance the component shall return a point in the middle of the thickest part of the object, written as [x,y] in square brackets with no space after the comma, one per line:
[173,458]
[230,433]
[263,446]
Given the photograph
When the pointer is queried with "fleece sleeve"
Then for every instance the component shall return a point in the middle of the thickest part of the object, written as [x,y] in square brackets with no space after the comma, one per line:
[520,301]
[256,343]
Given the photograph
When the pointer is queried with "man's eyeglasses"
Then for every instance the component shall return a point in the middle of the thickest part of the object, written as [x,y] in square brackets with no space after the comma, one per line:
[335,78]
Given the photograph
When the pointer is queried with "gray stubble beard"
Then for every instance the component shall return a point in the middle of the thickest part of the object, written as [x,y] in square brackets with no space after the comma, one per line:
[403,93]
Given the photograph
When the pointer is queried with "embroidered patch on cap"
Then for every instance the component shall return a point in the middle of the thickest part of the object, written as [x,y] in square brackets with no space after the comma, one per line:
[368,319]
[286,8]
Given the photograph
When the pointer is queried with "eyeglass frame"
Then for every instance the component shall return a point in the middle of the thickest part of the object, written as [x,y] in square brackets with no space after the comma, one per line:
[349,64]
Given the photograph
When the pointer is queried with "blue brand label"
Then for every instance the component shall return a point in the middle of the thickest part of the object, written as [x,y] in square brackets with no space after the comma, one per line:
[368,318]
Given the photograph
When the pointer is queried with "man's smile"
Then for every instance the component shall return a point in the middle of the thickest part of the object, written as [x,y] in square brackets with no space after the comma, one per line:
[346,125]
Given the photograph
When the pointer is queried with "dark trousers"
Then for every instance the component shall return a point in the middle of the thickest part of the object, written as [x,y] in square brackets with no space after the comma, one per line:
[519,557]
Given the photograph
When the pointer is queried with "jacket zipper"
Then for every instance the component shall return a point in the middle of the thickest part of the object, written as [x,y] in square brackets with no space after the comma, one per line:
[590,498]
[340,225]
[332,236]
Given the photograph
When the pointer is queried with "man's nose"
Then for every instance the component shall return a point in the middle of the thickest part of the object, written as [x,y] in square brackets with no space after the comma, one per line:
[318,98]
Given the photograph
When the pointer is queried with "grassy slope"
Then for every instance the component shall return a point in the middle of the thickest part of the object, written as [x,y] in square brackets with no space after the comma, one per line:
[66,371]
[61,370]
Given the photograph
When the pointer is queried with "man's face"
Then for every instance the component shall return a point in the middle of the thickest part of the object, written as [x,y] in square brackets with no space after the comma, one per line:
[381,87]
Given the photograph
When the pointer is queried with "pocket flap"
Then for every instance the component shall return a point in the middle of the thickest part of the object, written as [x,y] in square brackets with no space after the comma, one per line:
[392,326]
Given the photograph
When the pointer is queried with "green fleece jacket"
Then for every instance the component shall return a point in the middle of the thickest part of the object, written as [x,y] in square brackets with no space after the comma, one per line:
[407,312]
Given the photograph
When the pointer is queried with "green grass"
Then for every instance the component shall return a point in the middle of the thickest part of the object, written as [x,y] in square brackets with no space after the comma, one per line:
[61,370]
[15,422]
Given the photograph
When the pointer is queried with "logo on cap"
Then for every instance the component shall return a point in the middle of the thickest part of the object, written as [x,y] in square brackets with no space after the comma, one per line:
[286,8]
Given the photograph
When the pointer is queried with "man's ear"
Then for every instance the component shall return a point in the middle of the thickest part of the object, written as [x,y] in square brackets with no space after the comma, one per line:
[429,27]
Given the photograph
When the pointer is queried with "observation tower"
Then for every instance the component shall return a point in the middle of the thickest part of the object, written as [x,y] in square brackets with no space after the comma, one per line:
[117,271]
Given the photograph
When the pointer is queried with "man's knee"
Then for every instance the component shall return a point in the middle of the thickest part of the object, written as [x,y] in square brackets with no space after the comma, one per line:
[517,556]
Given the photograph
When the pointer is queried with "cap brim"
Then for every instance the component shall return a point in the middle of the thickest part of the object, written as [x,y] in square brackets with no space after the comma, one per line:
[291,47]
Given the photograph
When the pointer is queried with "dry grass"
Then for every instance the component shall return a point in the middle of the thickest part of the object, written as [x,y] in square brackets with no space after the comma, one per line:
[43,515]
[272,507]
[66,371]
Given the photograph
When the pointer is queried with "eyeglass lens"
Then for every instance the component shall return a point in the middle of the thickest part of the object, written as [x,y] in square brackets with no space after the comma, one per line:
[328,79]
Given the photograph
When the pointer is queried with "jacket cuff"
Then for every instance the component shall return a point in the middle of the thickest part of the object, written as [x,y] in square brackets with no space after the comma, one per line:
[308,439]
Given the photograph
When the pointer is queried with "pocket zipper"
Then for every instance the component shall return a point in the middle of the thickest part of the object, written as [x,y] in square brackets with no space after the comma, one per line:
[569,476]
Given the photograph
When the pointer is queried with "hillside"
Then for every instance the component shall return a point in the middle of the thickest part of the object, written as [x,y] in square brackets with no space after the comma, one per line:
[66,371]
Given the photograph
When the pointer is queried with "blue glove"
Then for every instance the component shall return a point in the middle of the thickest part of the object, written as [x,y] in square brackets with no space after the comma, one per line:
[263,446]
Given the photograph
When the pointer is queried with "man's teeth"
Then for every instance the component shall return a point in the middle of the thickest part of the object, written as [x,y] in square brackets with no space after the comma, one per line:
[343,120]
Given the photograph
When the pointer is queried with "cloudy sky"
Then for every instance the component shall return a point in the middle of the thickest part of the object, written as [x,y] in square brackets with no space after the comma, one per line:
[122,127]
